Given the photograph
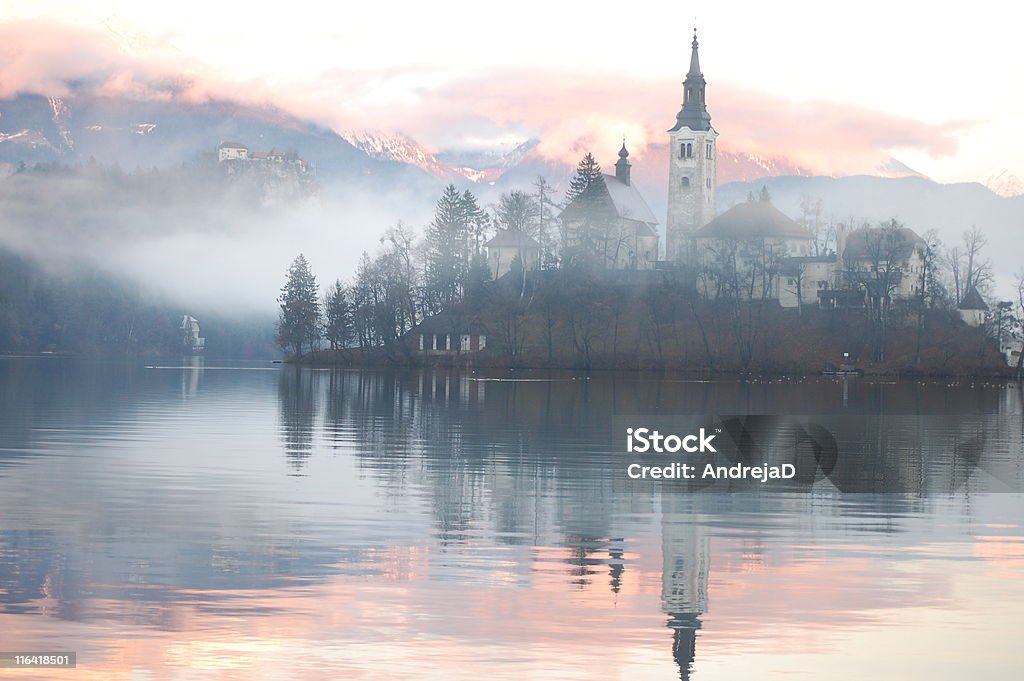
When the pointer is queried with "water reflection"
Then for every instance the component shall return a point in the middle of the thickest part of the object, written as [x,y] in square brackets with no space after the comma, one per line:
[297,394]
[686,558]
[317,524]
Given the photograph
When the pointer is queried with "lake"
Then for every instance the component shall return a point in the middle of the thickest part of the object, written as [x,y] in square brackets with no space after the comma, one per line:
[239,521]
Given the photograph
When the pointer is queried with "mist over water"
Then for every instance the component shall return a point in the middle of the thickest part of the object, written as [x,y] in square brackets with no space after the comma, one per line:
[220,252]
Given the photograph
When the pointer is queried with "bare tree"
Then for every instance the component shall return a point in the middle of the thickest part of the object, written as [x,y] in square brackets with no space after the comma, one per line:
[513,212]
[969,269]
[401,243]
[926,287]
[545,220]
[587,316]
[878,271]
[979,269]
[742,274]
[795,272]
[1020,317]
[812,219]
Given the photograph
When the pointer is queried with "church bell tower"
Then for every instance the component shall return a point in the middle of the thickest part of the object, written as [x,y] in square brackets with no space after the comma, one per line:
[691,172]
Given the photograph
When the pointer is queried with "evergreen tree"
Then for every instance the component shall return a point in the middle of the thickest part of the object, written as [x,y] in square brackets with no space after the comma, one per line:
[588,215]
[588,177]
[479,274]
[338,327]
[446,242]
[299,320]
[477,224]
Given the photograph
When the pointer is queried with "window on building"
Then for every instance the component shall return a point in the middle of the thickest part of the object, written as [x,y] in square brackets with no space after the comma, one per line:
[708,151]
[708,181]
[689,150]
[685,182]
[682,150]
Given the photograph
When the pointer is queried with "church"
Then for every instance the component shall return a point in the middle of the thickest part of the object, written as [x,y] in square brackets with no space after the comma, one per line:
[610,226]
[611,223]
[633,230]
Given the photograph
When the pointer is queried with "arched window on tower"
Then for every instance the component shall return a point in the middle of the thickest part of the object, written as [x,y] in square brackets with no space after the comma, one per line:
[685,182]
[708,150]
[682,150]
[689,150]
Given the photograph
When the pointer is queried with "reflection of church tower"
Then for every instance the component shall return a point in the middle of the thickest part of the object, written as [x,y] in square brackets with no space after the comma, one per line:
[684,586]
[691,167]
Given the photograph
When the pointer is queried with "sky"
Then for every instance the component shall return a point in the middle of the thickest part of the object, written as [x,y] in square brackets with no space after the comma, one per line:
[834,87]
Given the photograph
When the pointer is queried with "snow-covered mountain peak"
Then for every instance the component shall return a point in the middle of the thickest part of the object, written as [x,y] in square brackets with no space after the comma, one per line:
[1006,184]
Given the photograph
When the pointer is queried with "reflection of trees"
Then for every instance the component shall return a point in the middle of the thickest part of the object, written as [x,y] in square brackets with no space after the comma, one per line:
[513,462]
[296,389]
[522,457]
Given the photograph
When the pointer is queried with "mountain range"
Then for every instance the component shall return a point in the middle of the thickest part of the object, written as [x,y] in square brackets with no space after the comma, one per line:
[146,134]
[523,161]
[141,133]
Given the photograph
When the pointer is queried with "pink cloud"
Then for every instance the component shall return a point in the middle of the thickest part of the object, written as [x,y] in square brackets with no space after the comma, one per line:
[570,112]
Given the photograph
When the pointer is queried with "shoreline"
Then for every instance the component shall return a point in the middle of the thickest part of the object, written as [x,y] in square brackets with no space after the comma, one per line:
[379,360]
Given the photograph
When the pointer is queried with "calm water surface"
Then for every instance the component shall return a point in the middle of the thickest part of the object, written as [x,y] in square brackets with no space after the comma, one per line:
[253,521]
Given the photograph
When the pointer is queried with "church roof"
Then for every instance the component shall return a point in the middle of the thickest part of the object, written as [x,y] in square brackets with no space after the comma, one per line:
[973,301]
[512,237]
[753,220]
[628,202]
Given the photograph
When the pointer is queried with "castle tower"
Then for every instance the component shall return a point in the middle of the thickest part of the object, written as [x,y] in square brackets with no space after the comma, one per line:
[691,172]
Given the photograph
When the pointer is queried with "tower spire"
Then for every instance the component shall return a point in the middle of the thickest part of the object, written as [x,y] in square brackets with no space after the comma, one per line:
[692,175]
[694,114]
[694,58]
[622,165]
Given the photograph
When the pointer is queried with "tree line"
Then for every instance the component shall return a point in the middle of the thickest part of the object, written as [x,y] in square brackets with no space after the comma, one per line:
[411,277]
